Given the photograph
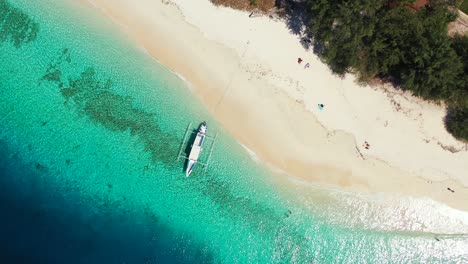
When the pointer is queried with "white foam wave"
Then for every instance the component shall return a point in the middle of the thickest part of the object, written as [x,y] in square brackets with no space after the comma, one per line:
[376,211]
[384,211]
[124,26]
[180,76]
[187,82]
[251,153]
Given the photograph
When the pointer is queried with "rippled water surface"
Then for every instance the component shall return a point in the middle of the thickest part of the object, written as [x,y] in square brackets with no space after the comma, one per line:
[90,127]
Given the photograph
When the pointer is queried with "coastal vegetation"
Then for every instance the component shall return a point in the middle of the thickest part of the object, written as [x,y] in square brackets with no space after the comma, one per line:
[400,42]
[464,6]
[404,42]
[262,5]
[457,117]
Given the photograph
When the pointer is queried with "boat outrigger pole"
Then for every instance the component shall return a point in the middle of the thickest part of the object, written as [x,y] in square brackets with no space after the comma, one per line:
[211,152]
[183,141]
[196,148]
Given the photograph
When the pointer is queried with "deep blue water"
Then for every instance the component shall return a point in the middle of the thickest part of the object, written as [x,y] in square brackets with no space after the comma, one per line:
[38,225]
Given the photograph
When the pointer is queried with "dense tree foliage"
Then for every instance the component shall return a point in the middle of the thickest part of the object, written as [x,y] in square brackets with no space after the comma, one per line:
[457,122]
[459,96]
[394,41]
[457,117]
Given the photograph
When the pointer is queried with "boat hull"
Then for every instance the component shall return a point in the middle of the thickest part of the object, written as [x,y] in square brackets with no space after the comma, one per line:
[190,166]
[196,149]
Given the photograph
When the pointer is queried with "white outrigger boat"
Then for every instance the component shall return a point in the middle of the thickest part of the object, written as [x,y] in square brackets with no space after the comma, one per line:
[197,148]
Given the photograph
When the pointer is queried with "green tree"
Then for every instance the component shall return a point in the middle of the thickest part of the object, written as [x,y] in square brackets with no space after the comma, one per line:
[457,122]
[459,96]
[390,40]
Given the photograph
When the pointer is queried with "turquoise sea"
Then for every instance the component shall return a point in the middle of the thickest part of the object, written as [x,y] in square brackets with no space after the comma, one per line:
[90,127]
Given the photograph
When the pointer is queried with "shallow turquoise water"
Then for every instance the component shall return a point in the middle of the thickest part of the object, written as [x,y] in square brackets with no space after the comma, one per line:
[90,129]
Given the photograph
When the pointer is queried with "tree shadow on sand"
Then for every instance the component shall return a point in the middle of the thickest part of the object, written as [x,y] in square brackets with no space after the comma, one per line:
[297,19]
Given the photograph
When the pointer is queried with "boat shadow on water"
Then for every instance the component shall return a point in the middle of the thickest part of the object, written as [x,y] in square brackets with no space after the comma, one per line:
[188,146]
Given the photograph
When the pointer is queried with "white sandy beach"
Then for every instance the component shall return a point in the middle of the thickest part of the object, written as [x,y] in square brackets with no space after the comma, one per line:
[245,71]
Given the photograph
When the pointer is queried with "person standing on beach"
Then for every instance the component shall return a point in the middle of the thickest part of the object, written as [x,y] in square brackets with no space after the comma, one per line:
[366,145]
[299,60]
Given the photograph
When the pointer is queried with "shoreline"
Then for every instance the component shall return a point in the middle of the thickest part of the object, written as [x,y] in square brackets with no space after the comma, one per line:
[269,98]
